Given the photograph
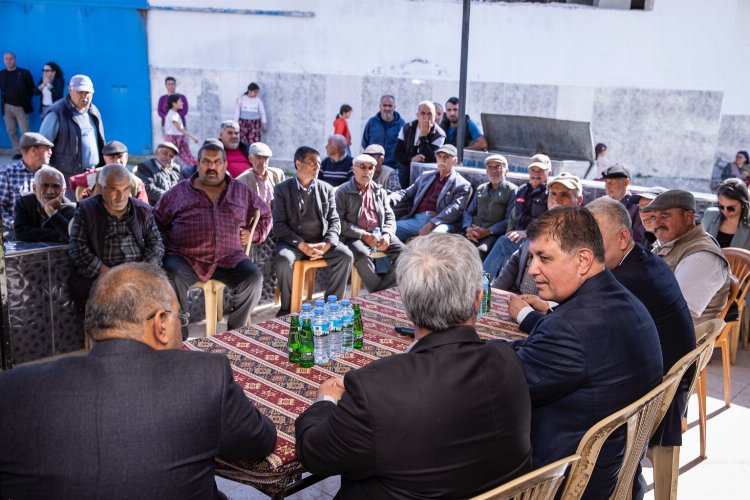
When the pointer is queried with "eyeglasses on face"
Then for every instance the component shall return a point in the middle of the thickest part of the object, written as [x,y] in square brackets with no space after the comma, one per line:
[184,317]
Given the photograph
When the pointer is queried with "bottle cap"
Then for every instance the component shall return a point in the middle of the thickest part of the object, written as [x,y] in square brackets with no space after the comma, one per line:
[319,310]
[345,302]
[332,298]
[306,307]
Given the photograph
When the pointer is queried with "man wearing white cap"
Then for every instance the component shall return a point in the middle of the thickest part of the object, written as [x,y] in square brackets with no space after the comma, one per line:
[364,210]
[160,173]
[486,218]
[384,175]
[530,203]
[261,177]
[75,125]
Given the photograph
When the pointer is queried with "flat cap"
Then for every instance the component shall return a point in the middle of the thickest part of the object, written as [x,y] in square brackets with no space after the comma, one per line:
[230,124]
[30,139]
[496,158]
[114,148]
[260,149]
[374,149]
[616,171]
[674,198]
[363,158]
[168,145]
[449,149]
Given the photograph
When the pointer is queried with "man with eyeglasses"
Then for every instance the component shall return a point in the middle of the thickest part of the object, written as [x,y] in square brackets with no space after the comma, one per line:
[307,226]
[44,215]
[137,416]
[363,208]
[694,256]
[205,222]
[109,229]
[486,218]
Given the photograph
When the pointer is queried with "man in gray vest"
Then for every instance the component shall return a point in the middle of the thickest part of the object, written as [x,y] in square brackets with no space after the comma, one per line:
[75,125]
[700,267]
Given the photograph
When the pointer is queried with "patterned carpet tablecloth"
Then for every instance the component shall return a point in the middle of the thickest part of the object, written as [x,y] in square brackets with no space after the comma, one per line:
[283,390]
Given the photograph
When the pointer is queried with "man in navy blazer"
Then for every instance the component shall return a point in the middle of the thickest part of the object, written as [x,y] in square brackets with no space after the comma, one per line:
[137,417]
[307,226]
[447,419]
[596,353]
[436,200]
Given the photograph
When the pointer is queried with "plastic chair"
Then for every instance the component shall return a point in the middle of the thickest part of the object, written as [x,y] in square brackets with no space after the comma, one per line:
[666,459]
[357,279]
[539,484]
[739,263]
[303,279]
[722,341]
[640,419]
[213,290]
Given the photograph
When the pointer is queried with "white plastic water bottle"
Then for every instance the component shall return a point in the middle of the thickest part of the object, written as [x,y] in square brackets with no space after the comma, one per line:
[321,327]
[347,327]
[334,336]
[378,234]
[332,299]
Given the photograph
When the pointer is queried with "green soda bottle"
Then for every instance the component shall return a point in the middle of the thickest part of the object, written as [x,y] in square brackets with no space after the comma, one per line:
[305,338]
[358,330]
[293,342]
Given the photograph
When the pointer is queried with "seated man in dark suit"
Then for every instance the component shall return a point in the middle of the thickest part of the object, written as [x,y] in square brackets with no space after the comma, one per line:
[595,353]
[110,229]
[120,422]
[449,418]
[306,225]
[436,201]
[44,215]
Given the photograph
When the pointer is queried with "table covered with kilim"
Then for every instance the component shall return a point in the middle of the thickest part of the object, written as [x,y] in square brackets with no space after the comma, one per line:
[282,390]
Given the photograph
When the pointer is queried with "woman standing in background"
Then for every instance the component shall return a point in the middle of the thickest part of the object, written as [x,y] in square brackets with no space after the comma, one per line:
[251,115]
[51,86]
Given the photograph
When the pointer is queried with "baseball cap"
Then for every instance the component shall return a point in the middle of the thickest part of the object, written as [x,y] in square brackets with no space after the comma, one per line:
[616,171]
[81,83]
[169,145]
[568,180]
[541,161]
[447,148]
[363,158]
[260,149]
[230,124]
[673,198]
[374,149]
[114,148]
[30,139]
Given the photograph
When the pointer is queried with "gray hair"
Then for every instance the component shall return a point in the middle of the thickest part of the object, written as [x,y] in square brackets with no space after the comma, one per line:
[123,298]
[230,124]
[113,171]
[429,104]
[439,276]
[339,141]
[614,212]
[47,170]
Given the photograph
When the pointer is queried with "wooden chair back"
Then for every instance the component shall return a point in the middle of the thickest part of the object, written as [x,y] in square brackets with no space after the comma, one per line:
[539,484]
[640,420]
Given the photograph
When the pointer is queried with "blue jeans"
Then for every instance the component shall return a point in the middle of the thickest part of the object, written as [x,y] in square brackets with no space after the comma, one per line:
[499,255]
[408,228]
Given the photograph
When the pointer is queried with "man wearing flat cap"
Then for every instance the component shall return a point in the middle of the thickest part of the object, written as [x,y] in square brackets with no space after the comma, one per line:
[616,181]
[16,178]
[694,256]
[384,175]
[160,173]
[437,199]
[486,218]
[363,207]
[261,177]
[75,125]
[530,202]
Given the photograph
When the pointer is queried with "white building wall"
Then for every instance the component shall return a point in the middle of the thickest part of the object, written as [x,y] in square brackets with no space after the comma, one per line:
[665,89]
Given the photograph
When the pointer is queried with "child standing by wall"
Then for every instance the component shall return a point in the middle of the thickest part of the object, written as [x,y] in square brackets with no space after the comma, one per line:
[175,132]
[251,115]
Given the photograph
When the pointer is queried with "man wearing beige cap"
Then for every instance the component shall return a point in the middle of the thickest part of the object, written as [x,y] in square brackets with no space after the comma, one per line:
[530,203]
[368,224]
[261,177]
[700,267]
[437,199]
[16,178]
[486,218]
[159,173]
[75,125]
[384,175]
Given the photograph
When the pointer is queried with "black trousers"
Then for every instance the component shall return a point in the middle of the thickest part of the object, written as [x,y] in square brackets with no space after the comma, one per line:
[245,280]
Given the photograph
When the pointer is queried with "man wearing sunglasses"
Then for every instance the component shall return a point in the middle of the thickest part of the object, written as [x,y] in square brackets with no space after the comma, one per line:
[136,417]
[700,267]
[363,208]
